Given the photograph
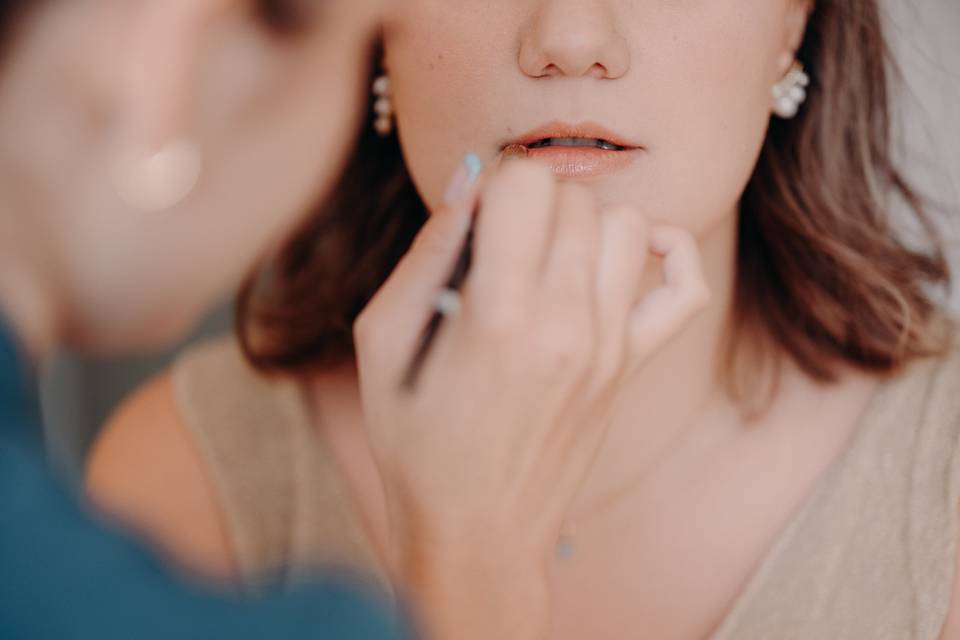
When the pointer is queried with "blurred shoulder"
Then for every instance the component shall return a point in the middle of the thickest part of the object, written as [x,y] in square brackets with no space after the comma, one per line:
[202,460]
[146,470]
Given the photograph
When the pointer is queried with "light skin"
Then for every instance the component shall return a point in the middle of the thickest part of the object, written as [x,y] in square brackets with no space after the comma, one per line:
[689,82]
[89,81]
[151,72]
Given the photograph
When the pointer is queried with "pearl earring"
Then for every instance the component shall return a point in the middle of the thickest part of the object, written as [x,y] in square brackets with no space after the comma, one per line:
[159,180]
[383,106]
[791,92]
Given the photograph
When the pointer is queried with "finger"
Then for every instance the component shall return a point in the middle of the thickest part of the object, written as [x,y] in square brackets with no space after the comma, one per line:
[683,294]
[571,263]
[564,306]
[407,299]
[513,229]
[623,257]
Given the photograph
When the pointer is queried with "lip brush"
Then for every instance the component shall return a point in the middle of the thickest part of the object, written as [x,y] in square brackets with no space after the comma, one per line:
[447,302]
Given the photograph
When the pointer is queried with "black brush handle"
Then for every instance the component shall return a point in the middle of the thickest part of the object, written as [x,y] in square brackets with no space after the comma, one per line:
[428,337]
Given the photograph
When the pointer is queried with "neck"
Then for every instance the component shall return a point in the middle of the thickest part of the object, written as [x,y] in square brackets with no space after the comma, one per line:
[26,296]
[661,406]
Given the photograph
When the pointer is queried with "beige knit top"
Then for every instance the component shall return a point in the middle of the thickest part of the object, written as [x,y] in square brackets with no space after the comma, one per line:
[868,555]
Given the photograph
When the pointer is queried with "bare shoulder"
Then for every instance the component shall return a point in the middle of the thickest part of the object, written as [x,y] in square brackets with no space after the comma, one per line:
[146,472]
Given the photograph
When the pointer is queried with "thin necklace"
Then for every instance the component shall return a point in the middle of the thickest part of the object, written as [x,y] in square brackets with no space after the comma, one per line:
[566,547]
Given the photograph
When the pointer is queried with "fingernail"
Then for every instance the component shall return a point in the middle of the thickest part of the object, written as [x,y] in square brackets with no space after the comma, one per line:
[463,179]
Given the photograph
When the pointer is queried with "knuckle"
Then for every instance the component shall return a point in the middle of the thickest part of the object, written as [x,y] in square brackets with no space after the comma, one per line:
[565,347]
[668,238]
[686,241]
[500,320]
[699,295]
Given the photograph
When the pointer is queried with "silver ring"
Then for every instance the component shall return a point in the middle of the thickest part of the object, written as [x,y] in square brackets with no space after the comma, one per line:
[448,302]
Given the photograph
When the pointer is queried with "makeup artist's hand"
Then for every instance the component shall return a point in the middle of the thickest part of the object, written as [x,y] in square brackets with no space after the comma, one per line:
[481,460]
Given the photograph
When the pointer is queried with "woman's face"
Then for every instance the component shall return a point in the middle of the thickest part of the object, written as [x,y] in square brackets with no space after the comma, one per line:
[273,112]
[685,84]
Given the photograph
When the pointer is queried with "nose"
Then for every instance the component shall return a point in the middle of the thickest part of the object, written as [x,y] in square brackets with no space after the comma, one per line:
[573,38]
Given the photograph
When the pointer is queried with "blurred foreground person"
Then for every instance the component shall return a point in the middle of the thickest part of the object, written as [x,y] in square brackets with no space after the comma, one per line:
[151,151]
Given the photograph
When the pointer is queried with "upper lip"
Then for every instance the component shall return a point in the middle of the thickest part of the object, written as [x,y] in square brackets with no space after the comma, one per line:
[564,130]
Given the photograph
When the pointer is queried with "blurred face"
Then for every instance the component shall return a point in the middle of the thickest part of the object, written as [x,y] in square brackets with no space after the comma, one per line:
[661,104]
[273,111]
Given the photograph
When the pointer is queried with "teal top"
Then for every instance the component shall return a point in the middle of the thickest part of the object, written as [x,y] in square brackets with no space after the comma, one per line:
[64,575]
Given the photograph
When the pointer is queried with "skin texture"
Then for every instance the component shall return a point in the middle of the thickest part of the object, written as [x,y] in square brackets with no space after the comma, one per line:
[690,82]
[88,82]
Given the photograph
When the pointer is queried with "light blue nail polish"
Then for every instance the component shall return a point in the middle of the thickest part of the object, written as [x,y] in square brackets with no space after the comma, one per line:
[474,166]
[465,177]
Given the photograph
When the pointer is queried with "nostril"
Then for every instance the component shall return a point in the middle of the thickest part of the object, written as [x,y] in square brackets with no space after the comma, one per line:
[550,71]
[598,71]
[562,44]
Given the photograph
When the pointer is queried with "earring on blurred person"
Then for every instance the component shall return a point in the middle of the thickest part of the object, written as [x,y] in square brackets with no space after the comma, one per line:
[383,106]
[157,180]
[791,92]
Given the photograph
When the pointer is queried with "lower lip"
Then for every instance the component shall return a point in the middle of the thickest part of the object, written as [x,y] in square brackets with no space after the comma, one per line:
[583,162]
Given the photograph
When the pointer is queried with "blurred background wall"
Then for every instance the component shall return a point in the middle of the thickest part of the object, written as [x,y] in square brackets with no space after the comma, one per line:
[78,394]
[925,35]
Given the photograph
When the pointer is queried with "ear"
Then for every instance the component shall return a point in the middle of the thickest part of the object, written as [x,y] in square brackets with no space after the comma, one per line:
[794,29]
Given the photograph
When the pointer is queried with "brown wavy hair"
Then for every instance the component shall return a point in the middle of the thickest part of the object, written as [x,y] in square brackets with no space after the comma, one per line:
[823,276]
[11,13]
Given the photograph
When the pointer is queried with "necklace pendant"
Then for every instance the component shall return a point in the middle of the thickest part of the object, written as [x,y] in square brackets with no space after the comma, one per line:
[565,549]
[566,543]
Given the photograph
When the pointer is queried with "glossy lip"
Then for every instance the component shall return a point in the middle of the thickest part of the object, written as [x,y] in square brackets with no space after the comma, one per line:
[578,162]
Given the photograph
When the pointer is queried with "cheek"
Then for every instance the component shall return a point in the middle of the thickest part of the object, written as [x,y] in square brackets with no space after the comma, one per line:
[711,98]
[699,86]
[450,66]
